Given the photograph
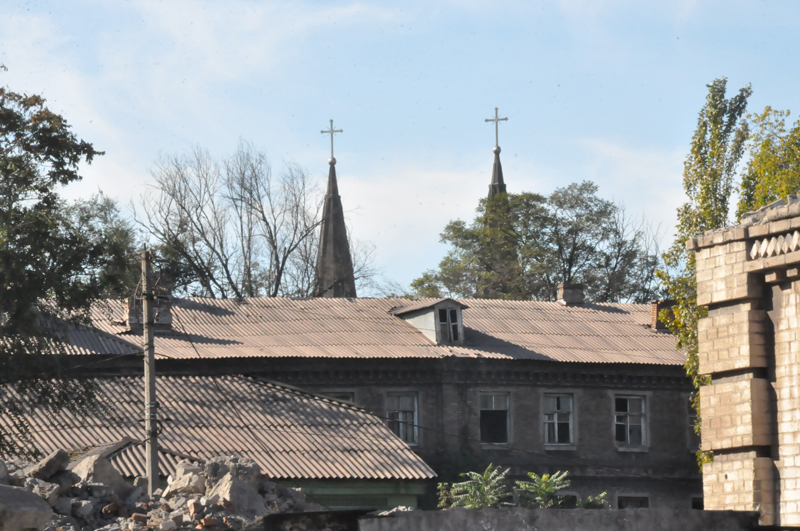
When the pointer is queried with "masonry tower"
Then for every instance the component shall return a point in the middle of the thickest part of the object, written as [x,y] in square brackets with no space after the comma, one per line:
[335,277]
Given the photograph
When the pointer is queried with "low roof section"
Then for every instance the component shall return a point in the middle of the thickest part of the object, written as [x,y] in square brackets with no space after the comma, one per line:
[290,433]
[370,328]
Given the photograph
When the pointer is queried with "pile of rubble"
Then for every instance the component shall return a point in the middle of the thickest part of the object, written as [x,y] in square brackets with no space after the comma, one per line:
[225,493]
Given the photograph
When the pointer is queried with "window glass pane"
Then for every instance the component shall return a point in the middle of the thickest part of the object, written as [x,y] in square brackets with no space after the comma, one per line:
[621,405]
[566,403]
[453,316]
[636,435]
[443,332]
[406,403]
[501,401]
[486,402]
[550,433]
[636,405]
[563,433]
[391,403]
[620,433]
[494,426]
[442,316]
[455,332]
[550,403]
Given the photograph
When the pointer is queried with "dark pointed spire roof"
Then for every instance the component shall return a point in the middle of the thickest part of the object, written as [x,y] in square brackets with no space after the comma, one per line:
[498,185]
[335,276]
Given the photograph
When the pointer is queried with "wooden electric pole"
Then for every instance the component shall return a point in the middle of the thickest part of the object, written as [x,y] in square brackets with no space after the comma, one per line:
[150,401]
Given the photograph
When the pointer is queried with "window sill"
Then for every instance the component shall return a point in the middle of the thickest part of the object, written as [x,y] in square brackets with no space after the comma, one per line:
[633,449]
[496,446]
[560,447]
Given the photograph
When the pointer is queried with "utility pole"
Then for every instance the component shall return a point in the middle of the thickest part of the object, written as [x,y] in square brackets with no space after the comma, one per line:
[150,402]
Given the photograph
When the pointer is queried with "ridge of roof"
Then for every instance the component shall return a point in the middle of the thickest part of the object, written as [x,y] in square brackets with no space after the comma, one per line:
[422,305]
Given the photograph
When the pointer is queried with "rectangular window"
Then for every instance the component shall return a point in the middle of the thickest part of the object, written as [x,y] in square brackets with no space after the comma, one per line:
[558,419]
[494,418]
[448,325]
[401,412]
[633,502]
[629,421]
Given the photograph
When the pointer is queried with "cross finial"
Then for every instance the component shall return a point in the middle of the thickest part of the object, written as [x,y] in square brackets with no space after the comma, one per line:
[496,121]
[330,131]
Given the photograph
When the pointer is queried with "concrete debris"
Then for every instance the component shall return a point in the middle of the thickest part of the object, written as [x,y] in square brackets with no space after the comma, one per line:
[96,469]
[225,494]
[49,466]
[20,509]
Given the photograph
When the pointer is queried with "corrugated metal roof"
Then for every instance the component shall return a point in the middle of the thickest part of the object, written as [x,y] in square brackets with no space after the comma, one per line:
[365,328]
[291,434]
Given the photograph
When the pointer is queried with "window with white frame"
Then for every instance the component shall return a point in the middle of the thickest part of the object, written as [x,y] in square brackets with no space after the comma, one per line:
[629,421]
[494,417]
[401,412]
[558,419]
[448,325]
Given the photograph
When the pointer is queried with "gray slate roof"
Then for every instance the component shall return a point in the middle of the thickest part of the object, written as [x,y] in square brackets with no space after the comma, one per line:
[290,433]
[365,328]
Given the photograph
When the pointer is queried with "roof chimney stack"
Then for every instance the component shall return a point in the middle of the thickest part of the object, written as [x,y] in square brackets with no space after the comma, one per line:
[570,294]
[655,309]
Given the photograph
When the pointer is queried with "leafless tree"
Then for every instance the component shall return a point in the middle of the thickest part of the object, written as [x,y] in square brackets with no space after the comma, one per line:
[233,229]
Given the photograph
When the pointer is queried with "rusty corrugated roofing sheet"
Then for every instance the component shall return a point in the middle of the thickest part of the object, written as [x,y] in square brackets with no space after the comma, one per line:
[365,328]
[291,434]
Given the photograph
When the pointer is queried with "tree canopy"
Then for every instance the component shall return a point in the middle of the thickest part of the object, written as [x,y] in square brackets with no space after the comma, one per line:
[521,246]
[49,265]
[708,180]
[773,169]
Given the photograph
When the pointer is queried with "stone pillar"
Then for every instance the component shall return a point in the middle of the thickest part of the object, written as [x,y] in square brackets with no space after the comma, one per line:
[749,279]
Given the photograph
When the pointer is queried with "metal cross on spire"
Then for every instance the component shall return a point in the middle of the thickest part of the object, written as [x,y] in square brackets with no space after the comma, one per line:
[496,121]
[330,132]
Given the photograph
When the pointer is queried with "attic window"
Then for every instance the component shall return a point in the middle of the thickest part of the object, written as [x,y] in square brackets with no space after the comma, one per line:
[448,325]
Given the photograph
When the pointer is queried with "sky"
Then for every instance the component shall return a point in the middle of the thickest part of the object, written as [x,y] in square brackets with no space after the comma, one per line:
[600,90]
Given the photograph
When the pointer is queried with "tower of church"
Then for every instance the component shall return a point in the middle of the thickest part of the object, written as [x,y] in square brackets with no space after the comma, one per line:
[498,185]
[335,277]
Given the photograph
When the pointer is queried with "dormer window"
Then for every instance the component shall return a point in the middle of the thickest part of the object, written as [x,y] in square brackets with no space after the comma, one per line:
[448,325]
[439,320]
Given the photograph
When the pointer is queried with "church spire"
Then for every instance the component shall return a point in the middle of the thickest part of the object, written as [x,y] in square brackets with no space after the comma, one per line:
[498,185]
[335,276]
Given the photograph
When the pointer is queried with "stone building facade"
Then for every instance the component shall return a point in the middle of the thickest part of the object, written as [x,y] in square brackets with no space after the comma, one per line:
[748,277]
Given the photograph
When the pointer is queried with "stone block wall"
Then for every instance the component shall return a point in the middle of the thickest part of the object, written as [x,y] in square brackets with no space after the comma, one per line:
[749,279]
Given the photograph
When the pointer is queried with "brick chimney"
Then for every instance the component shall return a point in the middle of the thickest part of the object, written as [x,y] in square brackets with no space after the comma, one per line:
[655,309]
[133,307]
[570,294]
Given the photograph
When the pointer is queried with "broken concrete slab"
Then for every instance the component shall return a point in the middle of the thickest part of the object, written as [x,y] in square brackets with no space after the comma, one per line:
[243,497]
[96,469]
[20,509]
[50,465]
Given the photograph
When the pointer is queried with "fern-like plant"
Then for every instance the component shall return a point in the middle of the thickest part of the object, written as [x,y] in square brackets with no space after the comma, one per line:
[542,491]
[488,490]
[595,502]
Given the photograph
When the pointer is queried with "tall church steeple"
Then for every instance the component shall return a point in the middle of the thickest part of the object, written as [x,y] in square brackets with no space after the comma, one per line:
[335,277]
[498,185]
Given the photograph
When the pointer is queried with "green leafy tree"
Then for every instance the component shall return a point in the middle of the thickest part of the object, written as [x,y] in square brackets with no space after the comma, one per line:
[521,246]
[542,491]
[487,490]
[46,265]
[708,177]
[773,168]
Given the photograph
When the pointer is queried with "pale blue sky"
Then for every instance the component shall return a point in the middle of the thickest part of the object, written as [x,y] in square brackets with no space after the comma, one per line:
[594,89]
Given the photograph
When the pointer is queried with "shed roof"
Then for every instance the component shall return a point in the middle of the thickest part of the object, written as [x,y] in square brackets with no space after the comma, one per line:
[365,328]
[290,433]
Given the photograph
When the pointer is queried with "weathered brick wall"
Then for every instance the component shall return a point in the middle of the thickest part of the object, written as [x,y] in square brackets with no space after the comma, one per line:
[749,279]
